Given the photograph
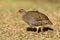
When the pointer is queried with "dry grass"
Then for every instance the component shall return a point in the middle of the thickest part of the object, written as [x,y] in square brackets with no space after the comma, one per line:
[13,28]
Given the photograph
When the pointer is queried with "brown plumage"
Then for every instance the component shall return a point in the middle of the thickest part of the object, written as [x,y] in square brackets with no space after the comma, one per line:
[35,18]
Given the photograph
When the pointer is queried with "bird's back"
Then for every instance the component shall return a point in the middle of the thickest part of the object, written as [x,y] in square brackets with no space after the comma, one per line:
[38,15]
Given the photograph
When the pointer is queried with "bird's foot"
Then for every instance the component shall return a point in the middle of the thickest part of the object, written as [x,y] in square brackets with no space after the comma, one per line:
[36,33]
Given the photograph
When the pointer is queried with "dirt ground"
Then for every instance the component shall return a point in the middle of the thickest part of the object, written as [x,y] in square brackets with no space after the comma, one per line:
[12,27]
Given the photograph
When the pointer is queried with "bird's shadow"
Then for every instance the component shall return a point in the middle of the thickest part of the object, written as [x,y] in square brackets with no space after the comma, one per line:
[34,29]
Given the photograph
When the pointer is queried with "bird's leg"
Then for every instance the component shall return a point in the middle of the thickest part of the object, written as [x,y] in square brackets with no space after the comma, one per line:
[42,28]
[37,30]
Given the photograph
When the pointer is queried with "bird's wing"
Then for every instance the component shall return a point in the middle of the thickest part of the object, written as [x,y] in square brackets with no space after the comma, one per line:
[39,16]
[36,16]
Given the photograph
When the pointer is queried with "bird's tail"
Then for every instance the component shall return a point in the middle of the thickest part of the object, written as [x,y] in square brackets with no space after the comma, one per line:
[50,22]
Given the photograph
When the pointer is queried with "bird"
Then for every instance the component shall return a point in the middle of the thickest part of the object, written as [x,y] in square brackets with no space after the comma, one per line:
[35,19]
